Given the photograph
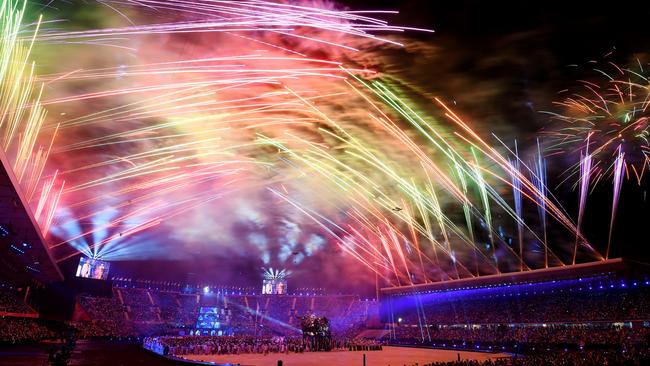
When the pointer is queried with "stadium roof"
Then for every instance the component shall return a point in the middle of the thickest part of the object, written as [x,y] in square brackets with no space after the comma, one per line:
[555,273]
[23,252]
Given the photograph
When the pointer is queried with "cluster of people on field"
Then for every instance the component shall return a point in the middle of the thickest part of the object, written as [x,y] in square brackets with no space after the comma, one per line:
[217,345]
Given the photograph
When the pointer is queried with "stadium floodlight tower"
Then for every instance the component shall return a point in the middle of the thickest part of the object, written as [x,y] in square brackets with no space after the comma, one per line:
[275,281]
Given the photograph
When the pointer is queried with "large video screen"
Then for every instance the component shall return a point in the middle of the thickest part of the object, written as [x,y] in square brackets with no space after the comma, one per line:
[93,268]
[209,318]
[274,287]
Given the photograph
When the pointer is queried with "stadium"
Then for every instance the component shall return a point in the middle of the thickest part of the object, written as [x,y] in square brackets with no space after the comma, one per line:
[312,183]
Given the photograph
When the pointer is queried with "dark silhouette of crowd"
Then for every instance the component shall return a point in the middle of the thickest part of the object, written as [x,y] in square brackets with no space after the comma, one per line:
[61,354]
[631,357]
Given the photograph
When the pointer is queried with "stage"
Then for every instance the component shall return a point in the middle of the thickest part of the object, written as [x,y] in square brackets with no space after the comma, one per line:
[388,356]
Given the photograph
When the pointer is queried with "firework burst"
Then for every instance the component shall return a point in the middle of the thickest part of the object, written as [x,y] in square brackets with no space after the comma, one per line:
[278,144]
[607,119]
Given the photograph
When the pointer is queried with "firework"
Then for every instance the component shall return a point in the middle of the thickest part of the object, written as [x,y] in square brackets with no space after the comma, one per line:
[608,117]
[606,122]
[22,115]
[516,185]
[279,140]
[618,180]
[539,179]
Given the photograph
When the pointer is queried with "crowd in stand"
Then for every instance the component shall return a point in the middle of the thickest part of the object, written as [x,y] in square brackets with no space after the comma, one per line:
[596,318]
[136,311]
[559,335]
[11,302]
[107,318]
[258,315]
[591,322]
[104,328]
[104,308]
[593,300]
[19,330]
[595,321]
